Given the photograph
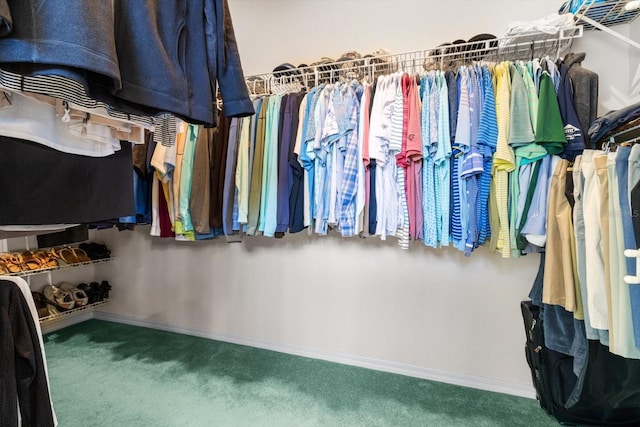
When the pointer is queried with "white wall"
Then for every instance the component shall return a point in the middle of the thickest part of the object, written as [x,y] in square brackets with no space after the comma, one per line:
[431,313]
[616,63]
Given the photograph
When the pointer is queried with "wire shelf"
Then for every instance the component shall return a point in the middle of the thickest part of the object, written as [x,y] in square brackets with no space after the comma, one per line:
[607,13]
[516,47]
[73,312]
[59,267]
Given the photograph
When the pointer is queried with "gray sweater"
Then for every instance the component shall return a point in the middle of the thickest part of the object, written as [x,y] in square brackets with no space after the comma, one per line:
[585,90]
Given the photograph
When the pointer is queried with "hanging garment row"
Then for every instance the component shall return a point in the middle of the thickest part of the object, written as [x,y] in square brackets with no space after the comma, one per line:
[450,158]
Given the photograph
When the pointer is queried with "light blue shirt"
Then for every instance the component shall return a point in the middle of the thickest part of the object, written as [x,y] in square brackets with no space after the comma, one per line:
[429,141]
[442,163]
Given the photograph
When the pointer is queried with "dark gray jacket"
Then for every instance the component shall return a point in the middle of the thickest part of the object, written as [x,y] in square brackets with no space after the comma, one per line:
[585,90]
[71,33]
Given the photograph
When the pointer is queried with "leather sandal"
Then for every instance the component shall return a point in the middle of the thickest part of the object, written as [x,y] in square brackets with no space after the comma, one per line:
[46,258]
[72,255]
[8,263]
[27,261]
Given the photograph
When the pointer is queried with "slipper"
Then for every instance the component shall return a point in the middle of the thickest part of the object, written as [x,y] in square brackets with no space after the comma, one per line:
[79,296]
[71,255]
[60,299]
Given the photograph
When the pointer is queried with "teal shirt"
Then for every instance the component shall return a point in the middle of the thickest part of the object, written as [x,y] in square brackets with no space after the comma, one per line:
[186,176]
[269,191]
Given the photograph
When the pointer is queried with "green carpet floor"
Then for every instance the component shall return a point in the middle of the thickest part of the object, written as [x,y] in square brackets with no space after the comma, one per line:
[107,374]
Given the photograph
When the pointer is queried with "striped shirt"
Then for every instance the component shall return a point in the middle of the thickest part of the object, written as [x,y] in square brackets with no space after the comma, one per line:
[163,125]
[460,148]
[487,141]
[395,147]
[429,139]
[503,162]
[442,163]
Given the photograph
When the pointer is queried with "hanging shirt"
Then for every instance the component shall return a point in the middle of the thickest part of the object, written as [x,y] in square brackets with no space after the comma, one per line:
[414,162]
[186,179]
[460,148]
[353,174]
[487,141]
[242,169]
[532,92]
[296,198]
[442,163]
[285,174]
[229,194]
[535,227]
[380,130]
[298,150]
[269,190]
[307,156]
[550,129]
[362,191]
[344,99]
[473,164]
[397,137]
[503,163]
[177,175]
[572,128]
[323,157]
[429,146]
[520,134]
[255,188]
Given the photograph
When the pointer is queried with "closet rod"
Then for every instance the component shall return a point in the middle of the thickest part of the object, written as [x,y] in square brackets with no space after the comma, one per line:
[625,133]
[522,46]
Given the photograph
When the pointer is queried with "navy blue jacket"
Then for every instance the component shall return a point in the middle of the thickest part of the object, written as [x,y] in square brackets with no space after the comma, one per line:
[173,54]
[164,56]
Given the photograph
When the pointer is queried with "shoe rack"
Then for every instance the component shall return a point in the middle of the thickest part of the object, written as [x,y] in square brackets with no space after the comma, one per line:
[69,317]
[39,277]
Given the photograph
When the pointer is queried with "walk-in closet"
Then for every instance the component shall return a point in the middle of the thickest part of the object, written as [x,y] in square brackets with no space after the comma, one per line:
[319,213]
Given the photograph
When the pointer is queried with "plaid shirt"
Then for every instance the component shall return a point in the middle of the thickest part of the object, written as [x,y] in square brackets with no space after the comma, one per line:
[350,176]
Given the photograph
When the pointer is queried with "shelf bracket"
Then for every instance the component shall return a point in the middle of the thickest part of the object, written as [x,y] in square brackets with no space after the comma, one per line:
[608,30]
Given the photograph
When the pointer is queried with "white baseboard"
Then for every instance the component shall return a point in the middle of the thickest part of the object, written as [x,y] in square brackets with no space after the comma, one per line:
[481,383]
